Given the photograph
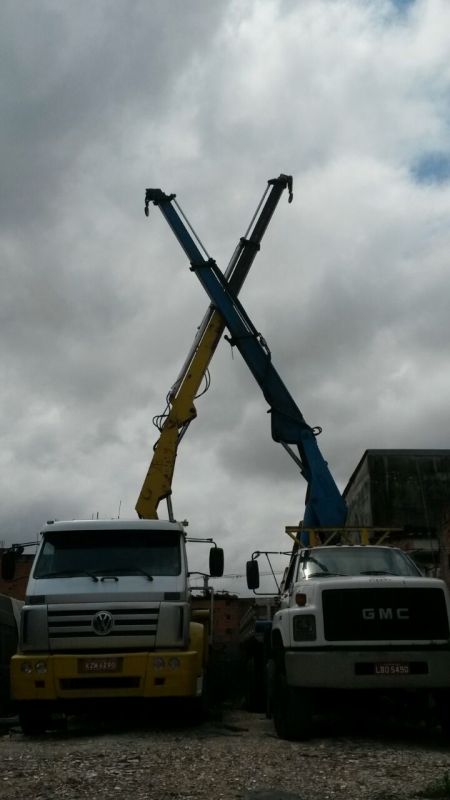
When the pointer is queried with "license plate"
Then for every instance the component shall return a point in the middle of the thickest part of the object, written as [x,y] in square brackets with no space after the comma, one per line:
[391,668]
[99,665]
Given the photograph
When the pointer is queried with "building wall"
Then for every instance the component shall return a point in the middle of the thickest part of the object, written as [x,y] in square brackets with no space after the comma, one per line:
[225,668]
[400,488]
[17,587]
[408,489]
[227,612]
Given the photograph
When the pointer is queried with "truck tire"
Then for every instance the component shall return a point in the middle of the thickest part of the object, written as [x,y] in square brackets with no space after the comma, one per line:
[197,709]
[443,712]
[254,691]
[291,710]
[270,687]
[33,721]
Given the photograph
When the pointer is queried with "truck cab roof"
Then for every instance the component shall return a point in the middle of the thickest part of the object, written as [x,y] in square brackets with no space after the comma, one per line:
[112,524]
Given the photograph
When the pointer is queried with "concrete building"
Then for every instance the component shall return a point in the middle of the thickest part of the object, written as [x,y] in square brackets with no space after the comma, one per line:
[408,489]
[17,586]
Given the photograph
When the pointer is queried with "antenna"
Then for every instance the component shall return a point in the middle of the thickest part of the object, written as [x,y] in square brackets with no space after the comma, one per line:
[118,513]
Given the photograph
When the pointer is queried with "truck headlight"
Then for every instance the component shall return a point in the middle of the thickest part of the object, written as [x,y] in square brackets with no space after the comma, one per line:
[158,663]
[174,663]
[304,627]
[41,666]
[26,667]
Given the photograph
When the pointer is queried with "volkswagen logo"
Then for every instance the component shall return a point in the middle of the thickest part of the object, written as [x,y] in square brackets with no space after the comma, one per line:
[102,622]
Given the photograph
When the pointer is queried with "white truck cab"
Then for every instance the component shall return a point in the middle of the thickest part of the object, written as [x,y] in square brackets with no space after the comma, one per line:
[361,619]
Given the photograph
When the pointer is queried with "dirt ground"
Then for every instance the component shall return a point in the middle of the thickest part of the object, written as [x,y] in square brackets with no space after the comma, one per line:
[234,756]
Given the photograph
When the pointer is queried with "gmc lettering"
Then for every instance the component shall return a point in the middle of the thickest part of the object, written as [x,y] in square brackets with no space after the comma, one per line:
[385,613]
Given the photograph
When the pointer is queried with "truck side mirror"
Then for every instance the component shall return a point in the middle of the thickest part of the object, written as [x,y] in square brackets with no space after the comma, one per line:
[216,562]
[8,565]
[252,575]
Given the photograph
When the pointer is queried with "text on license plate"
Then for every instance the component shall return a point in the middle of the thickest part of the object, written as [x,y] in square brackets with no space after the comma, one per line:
[99,665]
[392,668]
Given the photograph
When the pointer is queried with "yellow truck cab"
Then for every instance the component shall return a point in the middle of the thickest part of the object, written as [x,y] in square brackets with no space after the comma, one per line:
[107,616]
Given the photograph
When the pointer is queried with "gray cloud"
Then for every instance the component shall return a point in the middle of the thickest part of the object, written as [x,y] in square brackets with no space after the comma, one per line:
[98,306]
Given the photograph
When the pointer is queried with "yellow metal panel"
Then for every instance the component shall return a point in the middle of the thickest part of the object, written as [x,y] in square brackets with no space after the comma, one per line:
[173,681]
[33,686]
[198,641]
[352,534]
[168,673]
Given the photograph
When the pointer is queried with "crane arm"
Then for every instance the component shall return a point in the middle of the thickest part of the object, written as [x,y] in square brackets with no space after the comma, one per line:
[181,408]
[324,503]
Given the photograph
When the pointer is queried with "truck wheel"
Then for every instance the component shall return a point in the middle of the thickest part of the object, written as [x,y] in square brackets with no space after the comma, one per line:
[443,707]
[254,693]
[198,708]
[270,687]
[292,710]
[33,721]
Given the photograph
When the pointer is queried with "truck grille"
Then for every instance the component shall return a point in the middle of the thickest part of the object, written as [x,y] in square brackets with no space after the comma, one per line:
[73,627]
[384,614]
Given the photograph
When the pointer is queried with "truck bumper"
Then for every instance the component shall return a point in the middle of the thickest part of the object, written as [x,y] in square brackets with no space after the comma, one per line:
[83,677]
[365,669]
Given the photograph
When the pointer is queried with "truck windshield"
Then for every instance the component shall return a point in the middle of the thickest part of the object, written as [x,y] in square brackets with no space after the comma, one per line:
[109,552]
[356,561]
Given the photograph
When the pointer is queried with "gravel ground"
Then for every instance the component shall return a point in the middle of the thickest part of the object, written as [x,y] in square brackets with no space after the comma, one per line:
[235,757]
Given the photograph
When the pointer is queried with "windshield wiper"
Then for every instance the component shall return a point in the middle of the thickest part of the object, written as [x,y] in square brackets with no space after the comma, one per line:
[377,572]
[69,573]
[95,573]
[139,571]
[125,571]
[326,575]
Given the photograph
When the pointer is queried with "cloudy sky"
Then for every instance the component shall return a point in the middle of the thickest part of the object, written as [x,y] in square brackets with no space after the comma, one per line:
[100,100]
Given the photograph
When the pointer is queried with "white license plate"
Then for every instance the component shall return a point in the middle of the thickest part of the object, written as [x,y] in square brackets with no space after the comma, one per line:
[391,668]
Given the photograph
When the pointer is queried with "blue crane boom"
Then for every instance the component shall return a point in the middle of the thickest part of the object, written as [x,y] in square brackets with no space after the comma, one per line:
[180,410]
[324,505]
